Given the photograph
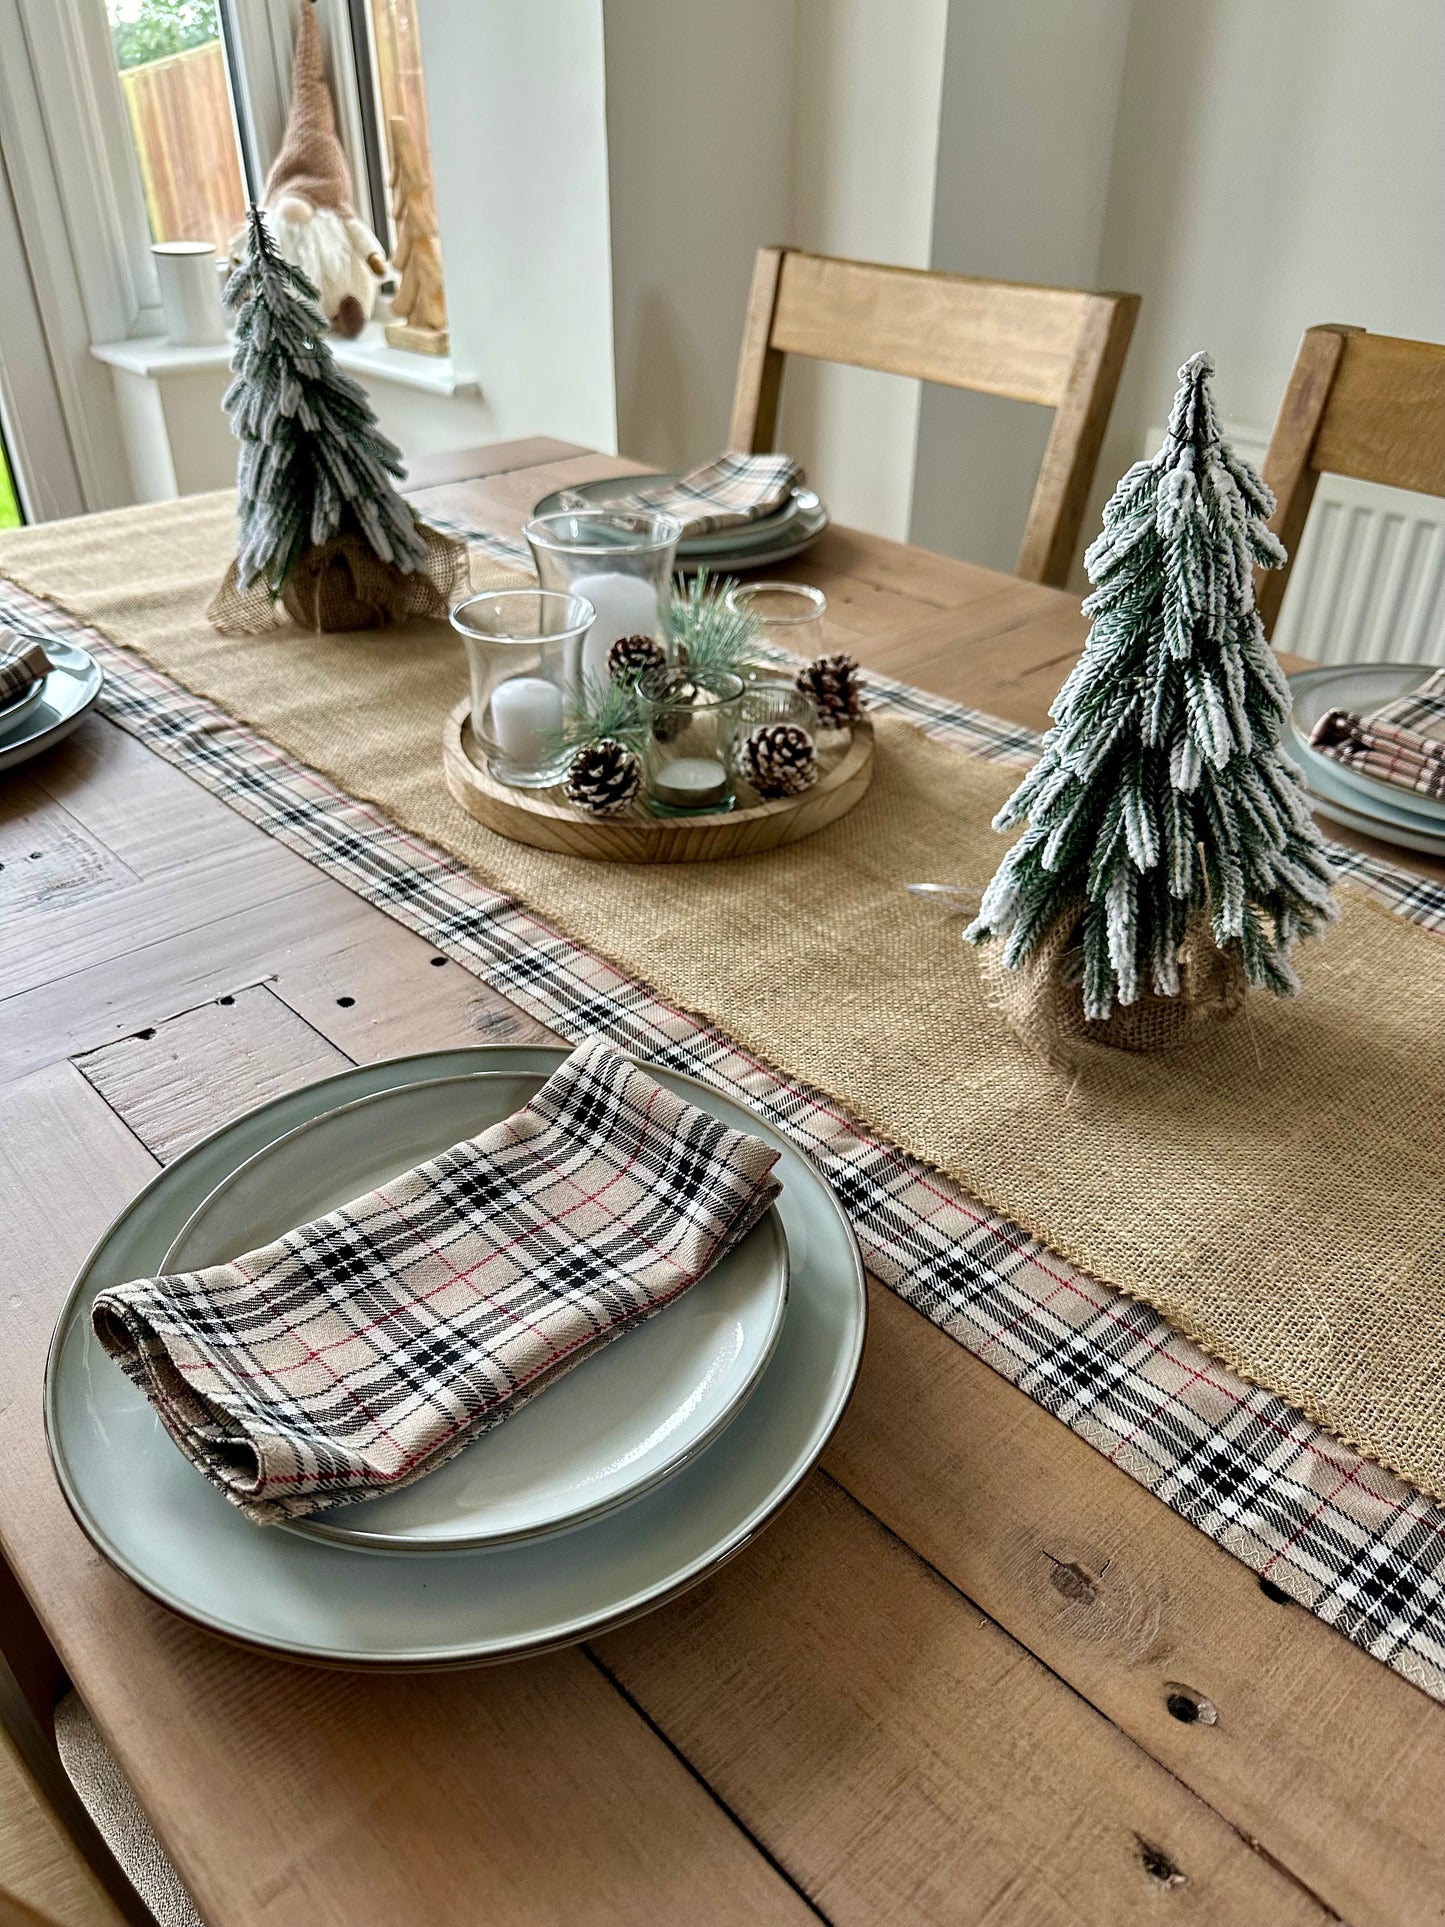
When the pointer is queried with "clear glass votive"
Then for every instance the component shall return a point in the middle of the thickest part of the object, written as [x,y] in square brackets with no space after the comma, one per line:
[621,562]
[789,615]
[691,725]
[524,654]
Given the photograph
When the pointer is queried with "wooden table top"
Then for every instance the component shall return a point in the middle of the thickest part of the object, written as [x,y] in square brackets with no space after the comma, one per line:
[937,1689]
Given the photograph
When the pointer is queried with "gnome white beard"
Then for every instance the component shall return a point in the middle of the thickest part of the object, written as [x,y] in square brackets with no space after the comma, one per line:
[332,250]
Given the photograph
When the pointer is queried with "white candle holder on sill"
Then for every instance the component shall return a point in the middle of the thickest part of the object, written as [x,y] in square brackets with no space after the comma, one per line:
[524,655]
[621,563]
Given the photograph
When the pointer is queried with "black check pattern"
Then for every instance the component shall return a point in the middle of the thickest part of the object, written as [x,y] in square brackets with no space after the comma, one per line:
[23,662]
[1344,1539]
[358,1353]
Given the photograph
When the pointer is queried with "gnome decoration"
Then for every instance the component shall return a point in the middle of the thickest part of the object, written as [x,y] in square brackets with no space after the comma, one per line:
[322,528]
[1170,859]
[307,200]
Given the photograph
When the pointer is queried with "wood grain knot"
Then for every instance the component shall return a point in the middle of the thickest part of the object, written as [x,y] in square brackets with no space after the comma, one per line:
[1072,1580]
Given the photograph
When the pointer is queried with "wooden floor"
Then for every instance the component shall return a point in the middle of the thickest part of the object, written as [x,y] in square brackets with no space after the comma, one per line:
[974,1674]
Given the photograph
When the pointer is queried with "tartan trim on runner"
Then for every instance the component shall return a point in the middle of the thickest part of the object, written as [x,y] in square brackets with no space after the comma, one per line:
[356,1354]
[1350,1542]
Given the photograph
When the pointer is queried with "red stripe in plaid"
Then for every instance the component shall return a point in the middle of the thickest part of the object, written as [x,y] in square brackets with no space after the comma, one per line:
[360,1352]
[1235,1461]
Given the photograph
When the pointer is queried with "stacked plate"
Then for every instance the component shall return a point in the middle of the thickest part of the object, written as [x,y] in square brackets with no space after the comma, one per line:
[56,705]
[1343,795]
[627,1482]
[773,538]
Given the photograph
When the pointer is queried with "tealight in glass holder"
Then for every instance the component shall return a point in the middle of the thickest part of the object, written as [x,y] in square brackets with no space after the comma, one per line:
[621,562]
[524,653]
[691,726]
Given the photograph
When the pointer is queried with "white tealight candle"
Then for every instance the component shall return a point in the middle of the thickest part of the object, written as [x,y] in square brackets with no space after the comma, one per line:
[626,605]
[690,782]
[526,718]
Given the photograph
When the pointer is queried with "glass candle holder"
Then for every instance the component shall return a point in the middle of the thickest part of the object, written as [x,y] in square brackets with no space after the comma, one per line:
[524,653]
[621,563]
[691,725]
[769,699]
[789,615]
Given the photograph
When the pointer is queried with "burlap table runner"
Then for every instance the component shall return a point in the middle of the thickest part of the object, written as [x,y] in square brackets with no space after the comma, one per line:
[1275,1191]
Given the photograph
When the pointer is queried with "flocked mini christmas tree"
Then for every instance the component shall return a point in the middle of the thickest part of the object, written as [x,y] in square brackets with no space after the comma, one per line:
[322,528]
[1169,856]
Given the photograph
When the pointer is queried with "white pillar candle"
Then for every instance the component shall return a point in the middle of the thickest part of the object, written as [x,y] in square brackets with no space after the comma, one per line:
[526,718]
[690,782]
[626,605]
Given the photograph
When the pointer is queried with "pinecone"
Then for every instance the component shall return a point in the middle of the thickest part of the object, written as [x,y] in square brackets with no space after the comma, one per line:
[632,657]
[778,760]
[831,685]
[603,778]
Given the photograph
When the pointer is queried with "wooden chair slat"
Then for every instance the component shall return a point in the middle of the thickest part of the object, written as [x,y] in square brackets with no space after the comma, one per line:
[1061,348]
[1371,407]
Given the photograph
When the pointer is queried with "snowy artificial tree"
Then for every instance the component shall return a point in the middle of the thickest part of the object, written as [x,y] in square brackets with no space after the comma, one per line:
[1169,858]
[322,528]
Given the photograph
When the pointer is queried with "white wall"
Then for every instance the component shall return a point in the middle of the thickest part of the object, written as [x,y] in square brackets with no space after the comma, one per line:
[867,89]
[516,98]
[699,98]
[1026,131]
[1276,163]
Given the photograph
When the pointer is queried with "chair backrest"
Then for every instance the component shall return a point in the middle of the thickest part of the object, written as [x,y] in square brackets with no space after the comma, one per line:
[1061,347]
[1367,406]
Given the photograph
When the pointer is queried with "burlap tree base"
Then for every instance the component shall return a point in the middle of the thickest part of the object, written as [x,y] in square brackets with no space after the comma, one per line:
[1042,1002]
[342,584]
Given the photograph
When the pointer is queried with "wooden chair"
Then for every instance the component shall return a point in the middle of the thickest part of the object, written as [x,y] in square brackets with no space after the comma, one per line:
[1061,347]
[1368,406]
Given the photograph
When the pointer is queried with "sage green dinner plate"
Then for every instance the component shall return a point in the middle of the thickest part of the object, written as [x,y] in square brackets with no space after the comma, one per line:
[752,545]
[1360,687]
[146,1509]
[65,697]
[617,1425]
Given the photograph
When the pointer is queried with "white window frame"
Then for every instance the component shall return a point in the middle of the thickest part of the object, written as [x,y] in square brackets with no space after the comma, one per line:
[79,207]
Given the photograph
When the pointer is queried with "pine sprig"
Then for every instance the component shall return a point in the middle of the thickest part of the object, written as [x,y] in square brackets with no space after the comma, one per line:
[708,637]
[1162,791]
[610,711]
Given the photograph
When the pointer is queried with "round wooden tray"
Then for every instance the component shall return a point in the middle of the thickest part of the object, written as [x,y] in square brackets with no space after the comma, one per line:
[538,817]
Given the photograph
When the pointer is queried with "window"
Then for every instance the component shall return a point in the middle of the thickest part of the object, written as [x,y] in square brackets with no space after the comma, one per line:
[10,516]
[386,36]
[176,87]
[396,59]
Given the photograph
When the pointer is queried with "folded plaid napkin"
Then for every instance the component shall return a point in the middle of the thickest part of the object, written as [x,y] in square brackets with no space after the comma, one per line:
[1400,743]
[360,1352]
[22,664]
[724,493]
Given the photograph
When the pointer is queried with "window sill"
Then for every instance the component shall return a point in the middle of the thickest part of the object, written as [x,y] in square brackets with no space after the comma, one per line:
[369,355]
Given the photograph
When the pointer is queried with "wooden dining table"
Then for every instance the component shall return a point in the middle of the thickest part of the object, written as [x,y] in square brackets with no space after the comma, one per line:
[974,1673]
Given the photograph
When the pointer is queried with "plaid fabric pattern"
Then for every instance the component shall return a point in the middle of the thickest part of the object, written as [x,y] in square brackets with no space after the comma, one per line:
[725,493]
[356,1354]
[23,662]
[1400,743]
[1319,1524]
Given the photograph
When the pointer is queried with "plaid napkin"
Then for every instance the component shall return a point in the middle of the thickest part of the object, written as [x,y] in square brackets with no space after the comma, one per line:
[22,664]
[1400,743]
[724,493]
[362,1351]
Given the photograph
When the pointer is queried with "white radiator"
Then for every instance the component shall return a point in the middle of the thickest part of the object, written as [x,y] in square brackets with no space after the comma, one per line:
[1369,582]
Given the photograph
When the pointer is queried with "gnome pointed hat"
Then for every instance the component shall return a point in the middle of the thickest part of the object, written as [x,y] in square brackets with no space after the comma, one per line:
[311,162]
